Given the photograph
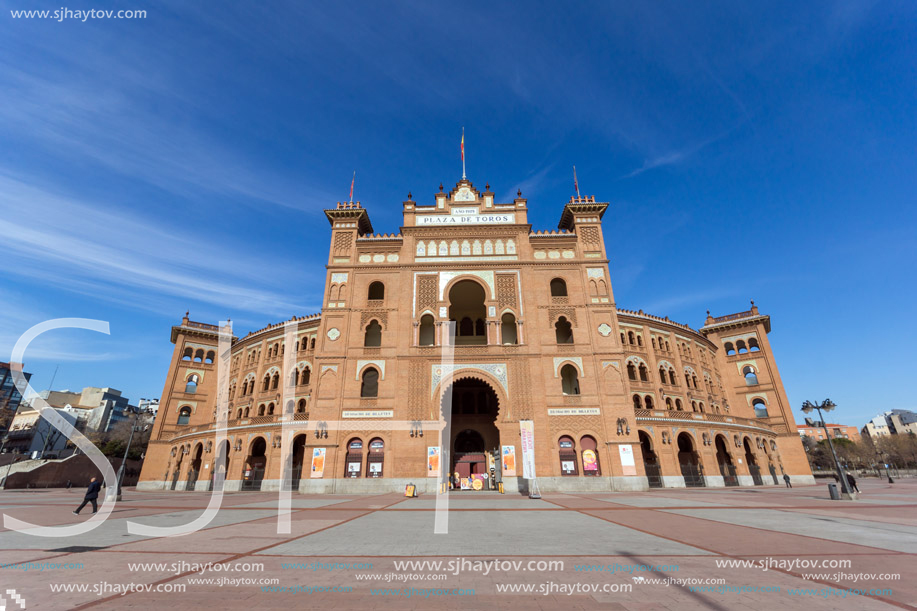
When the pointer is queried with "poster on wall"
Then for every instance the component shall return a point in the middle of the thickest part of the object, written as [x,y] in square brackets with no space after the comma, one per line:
[318,462]
[527,433]
[627,459]
[589,461]
[509,461]
[433,461]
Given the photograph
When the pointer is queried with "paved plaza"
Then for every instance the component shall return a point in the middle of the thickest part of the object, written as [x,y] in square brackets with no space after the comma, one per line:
[665,549]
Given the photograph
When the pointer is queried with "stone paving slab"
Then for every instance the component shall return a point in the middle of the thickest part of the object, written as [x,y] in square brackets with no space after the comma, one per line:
[691,530]
[491,532]
[467,502]
[860,532]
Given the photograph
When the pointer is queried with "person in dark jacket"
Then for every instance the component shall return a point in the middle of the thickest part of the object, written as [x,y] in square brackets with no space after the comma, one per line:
[786,478]
[852,483]
[92,493]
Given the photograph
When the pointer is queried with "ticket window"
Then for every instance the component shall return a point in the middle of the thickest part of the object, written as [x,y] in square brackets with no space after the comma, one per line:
[567,452]
[376,458]
[354,459]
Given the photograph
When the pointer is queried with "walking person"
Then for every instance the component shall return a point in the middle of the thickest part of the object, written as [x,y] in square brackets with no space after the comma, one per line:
[92,493]
[852,483]
[786,478]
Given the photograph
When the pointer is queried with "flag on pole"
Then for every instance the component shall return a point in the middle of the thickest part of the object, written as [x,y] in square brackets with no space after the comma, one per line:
[351,185]
[463,152]
[575,184]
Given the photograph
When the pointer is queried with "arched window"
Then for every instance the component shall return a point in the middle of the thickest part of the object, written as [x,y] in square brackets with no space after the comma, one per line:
[306,376]
[187,356]
[267,383]
[373,336]
[427,330]
[479,328]
[648,402]
[678,405]
[246,413]
[275,381]
[184,415]
[637,402]
[700,406]
[740,346]
[623,340]
[662,377]
[239,414]
[753,344]
[199,356]
[301,406]
[630,338]
[760,408]
[312,344]
[693,406]
[631,372]
[563,331]
[569,380]
[376,291]
[694,380]
[639,340]
[730,349]
[354,459]
[370,385]
[508,329]
[567,453]
[244,388]
[667,346]
[668,403]
[687,379]
[466,327]
[750,377]
[261,410]
[672,377]
[653,341]
[270,409]
[558,288]
[191,383]
[644,373]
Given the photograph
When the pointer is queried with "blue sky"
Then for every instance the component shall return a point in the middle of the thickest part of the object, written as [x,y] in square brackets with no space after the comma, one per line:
[182,161]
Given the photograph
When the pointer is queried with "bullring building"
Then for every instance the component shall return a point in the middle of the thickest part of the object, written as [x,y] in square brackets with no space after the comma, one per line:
[617,399]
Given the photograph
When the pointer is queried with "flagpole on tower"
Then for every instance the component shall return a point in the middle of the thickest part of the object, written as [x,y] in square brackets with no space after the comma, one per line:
[575,184]
[352,180]
[463,152]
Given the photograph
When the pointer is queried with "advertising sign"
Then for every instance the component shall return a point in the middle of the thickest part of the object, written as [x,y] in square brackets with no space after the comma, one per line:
[433,461]
[589,461]
[527,433]
[509,461]
[627,459]
[318,462]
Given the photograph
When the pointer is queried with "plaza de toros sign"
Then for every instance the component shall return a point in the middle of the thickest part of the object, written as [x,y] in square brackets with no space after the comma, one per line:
[466,216]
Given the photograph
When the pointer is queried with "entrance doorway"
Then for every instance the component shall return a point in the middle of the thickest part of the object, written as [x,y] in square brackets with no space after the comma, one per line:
[724,460]
[294,477]
[650,461]
[195,467]
[691,468]
[254,465]
[474,433]
[752,463]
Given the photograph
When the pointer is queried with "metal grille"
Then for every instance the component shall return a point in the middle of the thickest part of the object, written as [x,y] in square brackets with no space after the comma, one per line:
[693,474]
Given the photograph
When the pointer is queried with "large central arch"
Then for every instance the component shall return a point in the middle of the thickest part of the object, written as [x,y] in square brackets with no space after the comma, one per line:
[473,433]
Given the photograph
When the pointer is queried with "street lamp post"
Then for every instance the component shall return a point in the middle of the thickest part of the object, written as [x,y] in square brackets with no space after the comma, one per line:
[828,405]
[134,427]
[882,457]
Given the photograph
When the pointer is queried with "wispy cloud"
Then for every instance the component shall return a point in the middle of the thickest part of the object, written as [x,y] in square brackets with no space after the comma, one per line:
[674,157]
[76,244]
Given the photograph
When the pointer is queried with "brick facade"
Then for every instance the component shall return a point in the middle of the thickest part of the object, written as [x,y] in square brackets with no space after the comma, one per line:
[538,337]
